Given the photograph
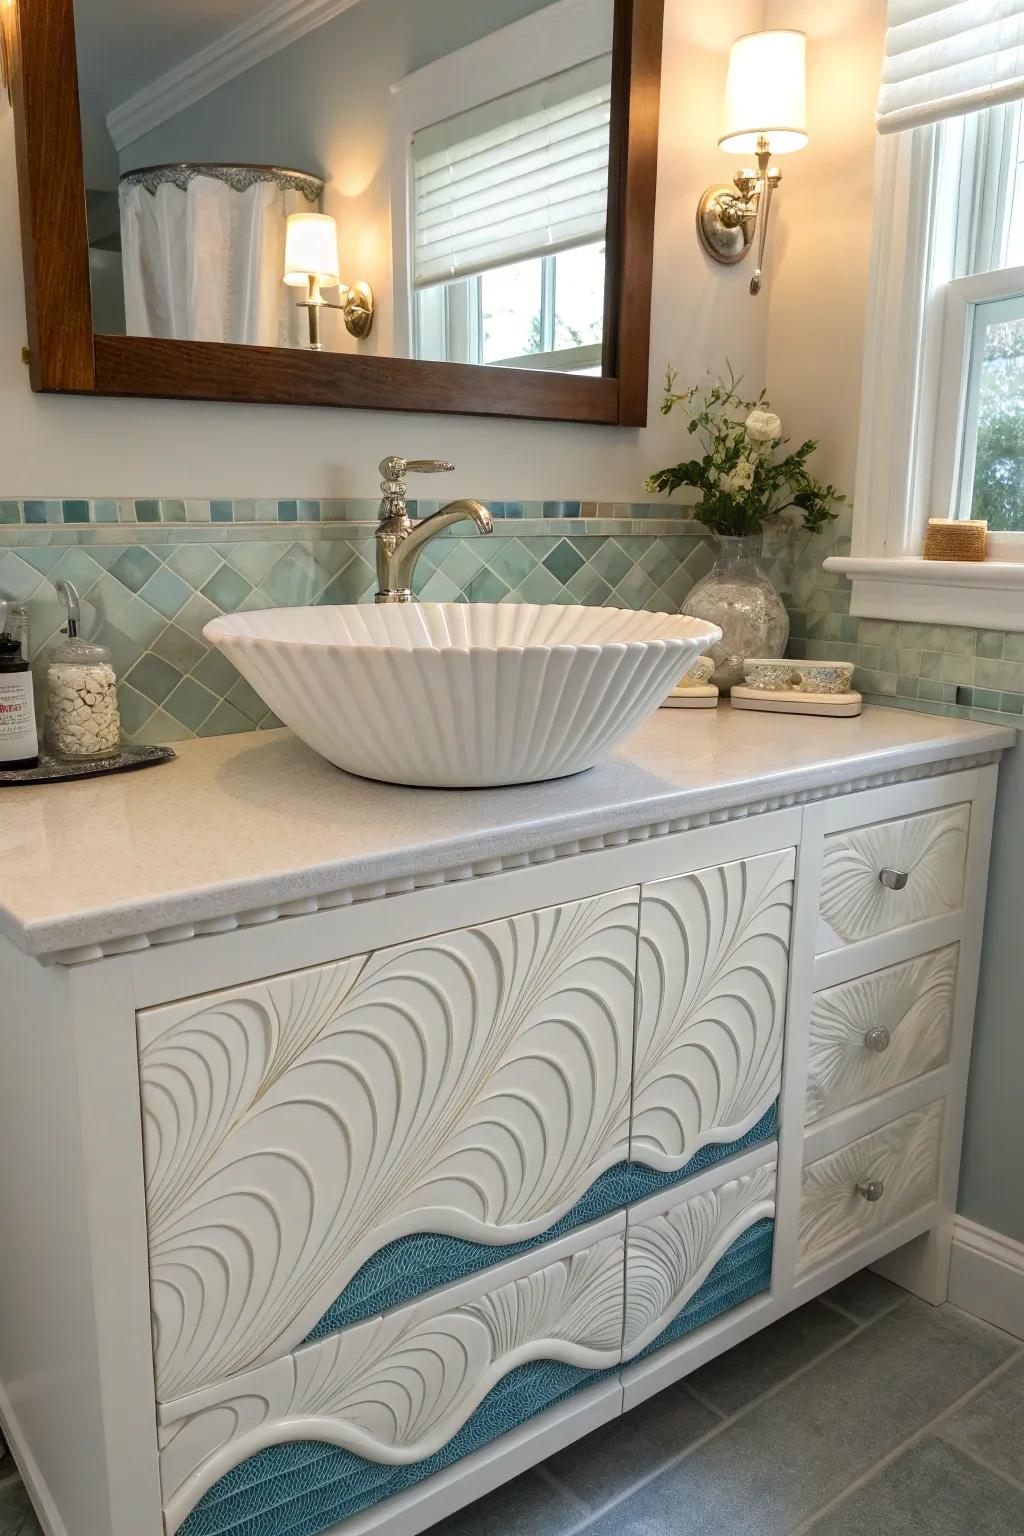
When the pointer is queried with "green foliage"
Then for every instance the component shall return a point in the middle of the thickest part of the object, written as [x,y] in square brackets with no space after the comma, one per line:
[999,464]
[743,482]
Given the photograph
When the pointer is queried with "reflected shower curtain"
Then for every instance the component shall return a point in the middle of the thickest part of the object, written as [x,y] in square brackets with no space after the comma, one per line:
[203,251]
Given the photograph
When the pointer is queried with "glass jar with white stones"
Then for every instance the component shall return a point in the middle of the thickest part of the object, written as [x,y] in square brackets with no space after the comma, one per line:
[82,718]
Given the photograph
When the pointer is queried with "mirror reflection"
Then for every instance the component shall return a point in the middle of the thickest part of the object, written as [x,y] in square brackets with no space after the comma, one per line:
[405,178]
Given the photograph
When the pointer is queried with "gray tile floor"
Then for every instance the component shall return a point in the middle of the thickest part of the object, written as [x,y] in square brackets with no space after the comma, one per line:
[864,1414]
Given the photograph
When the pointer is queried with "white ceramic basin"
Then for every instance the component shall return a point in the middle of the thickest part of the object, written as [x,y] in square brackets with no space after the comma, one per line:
[461,694]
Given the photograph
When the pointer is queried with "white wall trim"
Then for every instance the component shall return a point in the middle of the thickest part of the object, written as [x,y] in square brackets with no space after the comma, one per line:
[986,595]
[262,35]
[986,1276]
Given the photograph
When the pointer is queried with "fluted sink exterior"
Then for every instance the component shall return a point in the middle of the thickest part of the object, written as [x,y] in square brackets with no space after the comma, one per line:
[461,694]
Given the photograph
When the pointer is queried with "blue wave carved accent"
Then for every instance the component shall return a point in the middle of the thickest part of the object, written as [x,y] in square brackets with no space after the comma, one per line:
[305,1488]
[425,1261]
[743,1271]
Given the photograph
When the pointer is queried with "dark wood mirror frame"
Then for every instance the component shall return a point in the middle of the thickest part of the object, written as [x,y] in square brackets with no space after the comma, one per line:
[66,357]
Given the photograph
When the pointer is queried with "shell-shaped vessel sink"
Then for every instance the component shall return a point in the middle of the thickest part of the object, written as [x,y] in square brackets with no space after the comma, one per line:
[457,695]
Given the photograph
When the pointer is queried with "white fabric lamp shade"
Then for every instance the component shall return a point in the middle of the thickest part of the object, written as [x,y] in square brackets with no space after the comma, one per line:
[766,94]
[311,250]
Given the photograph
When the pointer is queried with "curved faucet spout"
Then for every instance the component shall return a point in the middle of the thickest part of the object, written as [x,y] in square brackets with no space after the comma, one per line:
[400,541]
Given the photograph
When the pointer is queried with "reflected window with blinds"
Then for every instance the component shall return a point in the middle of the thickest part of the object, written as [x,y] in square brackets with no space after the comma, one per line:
[510,205]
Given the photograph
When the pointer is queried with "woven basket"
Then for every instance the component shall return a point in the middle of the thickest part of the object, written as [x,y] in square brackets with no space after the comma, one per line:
[946,540]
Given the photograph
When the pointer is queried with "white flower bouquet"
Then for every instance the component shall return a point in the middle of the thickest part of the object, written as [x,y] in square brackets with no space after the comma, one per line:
[744,481]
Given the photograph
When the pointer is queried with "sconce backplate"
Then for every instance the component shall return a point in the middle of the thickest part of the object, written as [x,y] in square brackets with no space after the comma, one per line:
[723,236]
[359,310]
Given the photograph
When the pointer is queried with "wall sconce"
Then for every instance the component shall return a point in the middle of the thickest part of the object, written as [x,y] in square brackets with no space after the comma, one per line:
[765,114]
[311,262]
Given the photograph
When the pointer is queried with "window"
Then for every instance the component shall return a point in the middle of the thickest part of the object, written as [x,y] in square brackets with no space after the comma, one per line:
[509,204]
[547,312]
[942,408]
[978,467]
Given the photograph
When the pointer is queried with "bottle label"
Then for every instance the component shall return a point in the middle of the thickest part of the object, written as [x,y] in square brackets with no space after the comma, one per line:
[17,717]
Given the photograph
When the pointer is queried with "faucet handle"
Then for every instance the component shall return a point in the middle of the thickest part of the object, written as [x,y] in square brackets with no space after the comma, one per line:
[395,469]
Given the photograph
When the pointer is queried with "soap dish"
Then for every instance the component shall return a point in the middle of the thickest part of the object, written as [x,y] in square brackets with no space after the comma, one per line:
[53,770]
[793,701]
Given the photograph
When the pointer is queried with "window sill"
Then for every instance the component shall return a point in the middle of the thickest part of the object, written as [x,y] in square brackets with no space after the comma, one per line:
[986,595]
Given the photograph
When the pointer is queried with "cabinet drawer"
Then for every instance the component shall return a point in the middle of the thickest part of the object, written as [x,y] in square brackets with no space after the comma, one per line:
[902,1159]
[310,1140]
[713,967]
[879,878]
[364,1414]
[877,1031]
[689,1259]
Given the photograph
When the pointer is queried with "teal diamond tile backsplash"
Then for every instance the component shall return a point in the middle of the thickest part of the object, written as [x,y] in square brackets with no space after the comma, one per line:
[153,572]
[151,582]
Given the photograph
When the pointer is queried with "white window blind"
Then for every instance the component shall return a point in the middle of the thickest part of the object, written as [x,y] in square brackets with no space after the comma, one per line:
[522,176]
[944,58]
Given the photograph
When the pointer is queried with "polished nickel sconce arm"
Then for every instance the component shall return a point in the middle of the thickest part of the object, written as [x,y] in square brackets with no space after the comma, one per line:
[730,221]
[356,304]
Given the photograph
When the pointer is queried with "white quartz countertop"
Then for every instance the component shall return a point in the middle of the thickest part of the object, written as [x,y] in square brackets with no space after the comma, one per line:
[241,823]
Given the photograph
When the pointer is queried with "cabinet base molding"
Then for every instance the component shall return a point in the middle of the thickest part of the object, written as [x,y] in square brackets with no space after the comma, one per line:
[986,1276]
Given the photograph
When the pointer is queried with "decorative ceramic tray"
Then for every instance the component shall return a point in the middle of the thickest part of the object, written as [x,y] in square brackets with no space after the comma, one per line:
[791,701]
[50,770]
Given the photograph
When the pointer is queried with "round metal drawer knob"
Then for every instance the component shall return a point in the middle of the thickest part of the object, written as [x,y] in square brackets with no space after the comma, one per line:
[893,879]
[871,1190]
[878,1039]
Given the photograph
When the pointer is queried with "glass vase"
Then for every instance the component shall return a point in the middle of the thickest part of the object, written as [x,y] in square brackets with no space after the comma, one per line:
[737,595]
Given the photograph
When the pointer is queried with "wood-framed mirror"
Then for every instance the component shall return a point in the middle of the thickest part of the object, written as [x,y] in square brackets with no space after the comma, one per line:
[488,171]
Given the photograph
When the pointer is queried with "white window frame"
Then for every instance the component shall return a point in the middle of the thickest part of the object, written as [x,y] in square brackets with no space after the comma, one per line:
[448,328]
[939,213]
[552,40]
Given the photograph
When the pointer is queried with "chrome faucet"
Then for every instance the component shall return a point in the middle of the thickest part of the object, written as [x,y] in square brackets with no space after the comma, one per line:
[399,539]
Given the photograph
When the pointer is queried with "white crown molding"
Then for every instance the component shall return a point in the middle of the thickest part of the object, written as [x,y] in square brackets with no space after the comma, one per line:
[986,1276]
[264,34]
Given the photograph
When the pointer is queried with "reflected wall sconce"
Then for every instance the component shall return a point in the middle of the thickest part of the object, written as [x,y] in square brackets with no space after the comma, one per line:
[765,115]
[311,262]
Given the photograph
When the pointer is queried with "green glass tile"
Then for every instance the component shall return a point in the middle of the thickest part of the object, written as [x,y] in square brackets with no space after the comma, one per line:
[35,511]
[215,672]
[153,677]
[658,563]
[982,698]
[460,561]
[197,613]
[147,511]
[246,700]
[438,589]
[588,588]
[1013,647]
[190,703]
[221,512]
[172,512]
[226,720]
[166,592]
[76,511]
[135,566]
[105,511]
[1012,703]
[226,588]
[989,644]
[308,511]
[927,689]
[10,512]
[611,562]
[134,707]
[487,588]
[194,563]
[563,561]
[140,622]
[513,562]
[291,583]
[160,729]
[879,632]
[254,561]
[635,589]
[540,586]
[907,687]
[180,649]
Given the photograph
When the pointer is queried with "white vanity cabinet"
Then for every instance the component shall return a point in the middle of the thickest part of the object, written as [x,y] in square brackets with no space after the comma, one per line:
[348,1208]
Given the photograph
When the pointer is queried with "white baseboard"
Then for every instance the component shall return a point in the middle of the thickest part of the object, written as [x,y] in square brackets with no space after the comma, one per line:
[986,1276]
